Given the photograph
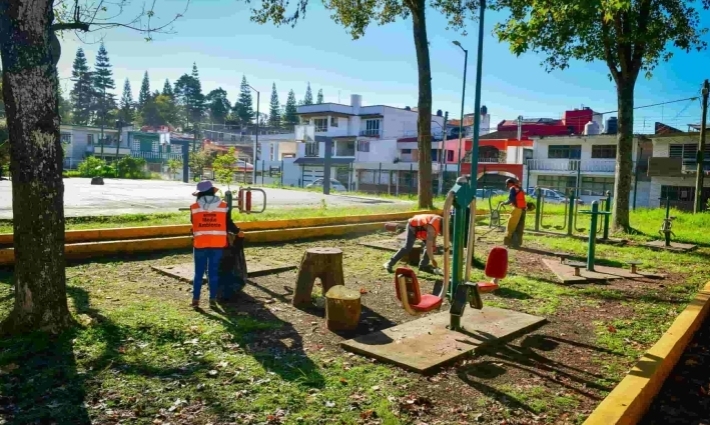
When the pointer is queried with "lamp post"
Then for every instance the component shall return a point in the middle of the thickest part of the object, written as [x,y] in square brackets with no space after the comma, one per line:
[119,125]
[441,152]
[477,104]
[256,139]
[463,98]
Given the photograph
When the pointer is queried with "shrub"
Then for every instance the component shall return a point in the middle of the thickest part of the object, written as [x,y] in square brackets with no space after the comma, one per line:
[94,167]
[71,173]
[132,168]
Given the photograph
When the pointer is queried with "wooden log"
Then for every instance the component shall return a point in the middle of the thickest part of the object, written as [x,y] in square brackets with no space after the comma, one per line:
[342,308]
[325,264]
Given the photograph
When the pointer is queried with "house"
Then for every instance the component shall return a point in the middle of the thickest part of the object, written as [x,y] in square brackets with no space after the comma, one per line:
[82,141]
[453,125]
[672,167]
[498,160]
[155,147]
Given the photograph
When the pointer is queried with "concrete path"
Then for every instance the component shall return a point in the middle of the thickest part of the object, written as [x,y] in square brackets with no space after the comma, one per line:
[158,196]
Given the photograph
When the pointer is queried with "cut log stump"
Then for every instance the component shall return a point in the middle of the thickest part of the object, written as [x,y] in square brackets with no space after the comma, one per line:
[342,308]
[325,264]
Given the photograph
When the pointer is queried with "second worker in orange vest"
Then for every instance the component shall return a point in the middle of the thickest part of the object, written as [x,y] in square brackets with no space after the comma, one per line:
[424,227]
[516,224]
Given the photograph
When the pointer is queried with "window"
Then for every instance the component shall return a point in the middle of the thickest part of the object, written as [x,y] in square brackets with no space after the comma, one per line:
[559,183]
[450,156]
[311,149]
[406,151]
[220,136]
[604,151]
[564,151]
[597,186]
[678,193]
[363,146]
[321,124]
[89,139]
[345,148]
[234,138]
[65,138]
[333,121]
[688,152]
[372,128]
[435,155]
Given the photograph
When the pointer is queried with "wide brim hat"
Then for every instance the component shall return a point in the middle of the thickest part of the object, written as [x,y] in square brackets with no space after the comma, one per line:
[204,186]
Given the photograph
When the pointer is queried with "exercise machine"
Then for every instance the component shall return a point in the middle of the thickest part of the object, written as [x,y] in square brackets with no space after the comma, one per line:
[667,226]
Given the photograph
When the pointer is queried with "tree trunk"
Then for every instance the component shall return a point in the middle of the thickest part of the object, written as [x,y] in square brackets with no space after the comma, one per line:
[342,308]
[421,43]
[325,264]
[30,89]
[624,161]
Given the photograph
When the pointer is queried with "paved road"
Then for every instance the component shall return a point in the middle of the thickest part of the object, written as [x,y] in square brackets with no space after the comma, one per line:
[153,196]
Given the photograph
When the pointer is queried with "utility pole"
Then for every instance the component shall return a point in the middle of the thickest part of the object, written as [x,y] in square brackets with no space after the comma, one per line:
[463,101]
[103,118]
[442,155]
[701,152]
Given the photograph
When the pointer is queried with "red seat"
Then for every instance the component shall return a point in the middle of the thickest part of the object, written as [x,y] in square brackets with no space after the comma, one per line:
[486,287]
[417,301]
[428,303]
[496,268]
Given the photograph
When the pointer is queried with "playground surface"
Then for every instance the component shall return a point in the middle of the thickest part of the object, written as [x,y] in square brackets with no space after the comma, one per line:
[142,355]
[122,196]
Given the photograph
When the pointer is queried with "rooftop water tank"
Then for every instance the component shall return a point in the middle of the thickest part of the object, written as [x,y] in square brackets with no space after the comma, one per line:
[591,128]
[612,125]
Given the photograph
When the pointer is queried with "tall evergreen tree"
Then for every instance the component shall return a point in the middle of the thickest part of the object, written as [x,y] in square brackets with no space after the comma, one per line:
[65,108]
[320,96]
[168,89]
[2,103]
[243,108]
[290,112]
[82,94]
[218,105]
[274,108]
[308,98]
[126,113]
[144,94]
[189,98]
[105,100]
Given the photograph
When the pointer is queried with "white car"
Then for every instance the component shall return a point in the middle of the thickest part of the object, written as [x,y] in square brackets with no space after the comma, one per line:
[335,185]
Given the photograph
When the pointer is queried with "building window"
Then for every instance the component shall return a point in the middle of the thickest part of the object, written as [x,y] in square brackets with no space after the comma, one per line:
[597,186]
[333,121]
[65,138]
[435,155]
[234,138]
[450,156]
[89,139]
[372,128]
[321,124]
[560,183]
[688,152]
[311,149]
[678,193]
[564,151]
[604,151]
[363,146]
[406,151]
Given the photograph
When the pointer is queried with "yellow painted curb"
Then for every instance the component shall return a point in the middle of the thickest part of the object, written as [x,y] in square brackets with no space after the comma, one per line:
[80,251]
[631,398]
[126,233]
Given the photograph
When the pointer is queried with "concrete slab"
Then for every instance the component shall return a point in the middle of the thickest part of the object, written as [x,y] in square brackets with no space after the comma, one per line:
[425,344]
[186,271]
[626,273]
[610,241]
[565,273]
[392,244]
[675,246]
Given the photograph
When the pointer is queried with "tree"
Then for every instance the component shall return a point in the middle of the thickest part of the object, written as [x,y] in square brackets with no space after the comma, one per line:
[628,35]
[308,98]
[218,105]
[320,96]
[2,103]
[82,94]
[144,95]
[168,89]
[126,113]
[243,107]
[198,161]
[29,52]
[105,100]
[65,108]
[356,16]
[290,117]
[274,108]
[223,166]
[166,110]
[174,165]
[189,97]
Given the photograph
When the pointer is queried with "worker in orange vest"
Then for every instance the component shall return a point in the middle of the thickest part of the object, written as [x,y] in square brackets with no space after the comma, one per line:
[516,224]
[210,227]
[425,227]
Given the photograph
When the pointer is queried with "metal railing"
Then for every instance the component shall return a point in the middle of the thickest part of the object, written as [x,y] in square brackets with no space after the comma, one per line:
[157,155]
[371,133]
[572,165]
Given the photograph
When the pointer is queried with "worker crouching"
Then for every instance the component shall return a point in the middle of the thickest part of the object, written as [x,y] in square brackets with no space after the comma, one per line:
[425,227]
[516,224]
[210,227]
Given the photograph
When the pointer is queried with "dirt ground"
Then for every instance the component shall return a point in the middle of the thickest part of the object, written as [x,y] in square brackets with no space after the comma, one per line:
[556,374]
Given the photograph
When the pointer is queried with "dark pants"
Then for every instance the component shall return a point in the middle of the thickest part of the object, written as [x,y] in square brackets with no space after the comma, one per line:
[408,245]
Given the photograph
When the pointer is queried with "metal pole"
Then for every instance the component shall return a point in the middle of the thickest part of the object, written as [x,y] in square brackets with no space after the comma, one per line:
[463,101]
[667,234]
[442,154]
[118,143]
[538,215]
[256,138]
[607,216]
[185,162]
[636,173]
[570,216]
[701,152]
[592,236]
[326,165]
[103,118]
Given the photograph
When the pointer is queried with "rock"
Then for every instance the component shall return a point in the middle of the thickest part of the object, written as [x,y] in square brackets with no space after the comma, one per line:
[97,181]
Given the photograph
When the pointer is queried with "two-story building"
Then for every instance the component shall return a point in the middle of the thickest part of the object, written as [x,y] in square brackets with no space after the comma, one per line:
[83,141]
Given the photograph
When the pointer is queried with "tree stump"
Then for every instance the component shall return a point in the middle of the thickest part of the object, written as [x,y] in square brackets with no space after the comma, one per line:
[325,264]
[342,308]
[414,256]
[97,181]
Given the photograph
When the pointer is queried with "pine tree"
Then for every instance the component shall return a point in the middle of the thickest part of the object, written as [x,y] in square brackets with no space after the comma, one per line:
[144,94]
[290,118]
[320,96]
[189,98]
[218,105]
[308,98]
[126,114]
[274,109]
[105,100]
[65,108]
[168,89]
[82,94]
[243,108]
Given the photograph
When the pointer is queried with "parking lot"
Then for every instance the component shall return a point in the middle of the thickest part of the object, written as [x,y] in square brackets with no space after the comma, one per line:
[158,196]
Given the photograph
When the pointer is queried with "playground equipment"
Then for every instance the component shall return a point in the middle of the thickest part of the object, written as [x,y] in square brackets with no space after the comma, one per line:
[667,225]
[591,247]
[572,212]
[244,200]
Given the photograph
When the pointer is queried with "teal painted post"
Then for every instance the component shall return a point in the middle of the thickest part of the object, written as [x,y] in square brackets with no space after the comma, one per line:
[228,200]
[570,215]
[592,236]
[538,213]
[607,216]
[458,243]
[668,215]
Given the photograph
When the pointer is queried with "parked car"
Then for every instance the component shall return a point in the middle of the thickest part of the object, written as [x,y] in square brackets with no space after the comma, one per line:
[552,196]
[334,185]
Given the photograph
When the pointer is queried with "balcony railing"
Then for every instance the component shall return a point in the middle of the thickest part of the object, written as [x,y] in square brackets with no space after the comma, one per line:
[371,133]
[157,155]
[311,150]
[573,165]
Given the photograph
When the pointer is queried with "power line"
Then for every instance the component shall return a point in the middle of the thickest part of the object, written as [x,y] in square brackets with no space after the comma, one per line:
[656,104]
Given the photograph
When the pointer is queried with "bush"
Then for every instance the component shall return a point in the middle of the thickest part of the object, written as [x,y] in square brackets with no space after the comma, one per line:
[71,173]
[95,167]
[132,168]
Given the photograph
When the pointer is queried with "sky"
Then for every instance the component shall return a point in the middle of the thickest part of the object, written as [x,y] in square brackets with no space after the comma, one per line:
[220,38]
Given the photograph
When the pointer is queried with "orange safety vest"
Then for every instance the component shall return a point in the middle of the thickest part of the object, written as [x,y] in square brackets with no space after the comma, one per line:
[420,221]
[209,228]
[520,199]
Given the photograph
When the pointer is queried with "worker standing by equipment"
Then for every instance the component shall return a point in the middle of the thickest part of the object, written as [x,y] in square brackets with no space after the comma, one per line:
[516,224]
[425,227]
[210,227]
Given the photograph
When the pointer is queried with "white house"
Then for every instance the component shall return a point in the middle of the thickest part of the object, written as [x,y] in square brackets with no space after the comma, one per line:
[83,141]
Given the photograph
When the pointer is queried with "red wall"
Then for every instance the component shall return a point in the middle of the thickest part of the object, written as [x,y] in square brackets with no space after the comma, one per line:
[578,119]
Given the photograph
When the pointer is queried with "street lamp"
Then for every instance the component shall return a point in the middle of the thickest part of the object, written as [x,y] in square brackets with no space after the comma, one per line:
[256,139]
[463,99]
[477,104]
